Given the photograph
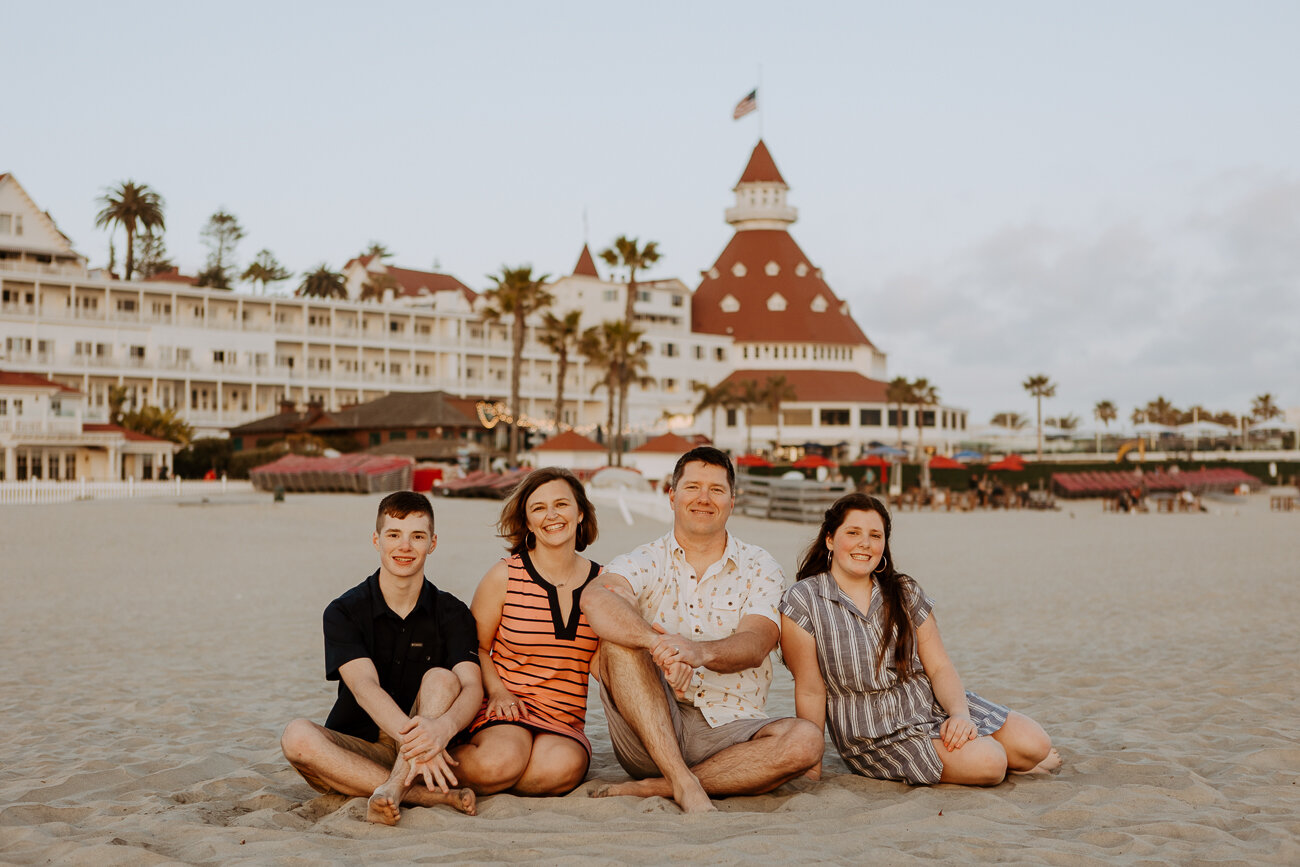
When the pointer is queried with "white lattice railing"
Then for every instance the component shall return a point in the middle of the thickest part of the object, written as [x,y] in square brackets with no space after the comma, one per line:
[44,492]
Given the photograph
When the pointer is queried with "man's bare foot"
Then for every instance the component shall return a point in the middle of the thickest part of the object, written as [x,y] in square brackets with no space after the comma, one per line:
[1046,766]
[691,799]
[382,808]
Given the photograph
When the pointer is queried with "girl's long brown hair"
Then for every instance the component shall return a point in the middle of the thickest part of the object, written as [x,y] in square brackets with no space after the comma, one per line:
[897,627]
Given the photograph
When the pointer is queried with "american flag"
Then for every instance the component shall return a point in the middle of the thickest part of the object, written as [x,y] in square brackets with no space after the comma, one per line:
[746,105]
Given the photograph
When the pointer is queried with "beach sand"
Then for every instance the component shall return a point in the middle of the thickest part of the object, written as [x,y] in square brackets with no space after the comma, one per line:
[153,651]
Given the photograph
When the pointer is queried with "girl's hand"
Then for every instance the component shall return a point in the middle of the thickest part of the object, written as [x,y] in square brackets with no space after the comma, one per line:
[957,731]
[505,706]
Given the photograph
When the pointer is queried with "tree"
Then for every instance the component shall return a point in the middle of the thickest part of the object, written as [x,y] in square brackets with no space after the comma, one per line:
[1161,411]
[133,206]
[923,395]
[151,254]
[562,335]
[627,253]
[322,283]
[1263,408]
[712,399]
[607,346]
[776,391]
[377,283]
[378,250]
[1009,420]
[1040,386]
[265,268]
[1104,412]
[221,234]
[899,393]
[517,294]
[164,424]
[749,398]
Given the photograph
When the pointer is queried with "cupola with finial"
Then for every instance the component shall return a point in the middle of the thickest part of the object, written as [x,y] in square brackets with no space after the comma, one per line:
[760,195]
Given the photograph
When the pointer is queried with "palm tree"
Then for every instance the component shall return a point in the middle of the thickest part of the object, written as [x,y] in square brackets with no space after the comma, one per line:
[265,268]
[377,283]
[1105,413]
[1009,420]
[517,294]
[322,283]
[1040,386]
[749,398]
[899,393]
[712,399]
[923,395]
[1162,411]
[635,361]
[378,250]
[1262,408]
[608,346]
[133,206]
[627,253]
[561,335]
[776,390]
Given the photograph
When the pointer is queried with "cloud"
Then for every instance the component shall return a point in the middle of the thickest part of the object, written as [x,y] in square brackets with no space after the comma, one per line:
[1202,306]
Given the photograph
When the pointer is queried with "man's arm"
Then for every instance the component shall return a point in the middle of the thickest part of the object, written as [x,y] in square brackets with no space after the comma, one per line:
[610,609]
[745,648]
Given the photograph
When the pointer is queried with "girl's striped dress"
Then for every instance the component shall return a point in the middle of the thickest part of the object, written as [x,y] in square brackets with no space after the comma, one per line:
[540,658]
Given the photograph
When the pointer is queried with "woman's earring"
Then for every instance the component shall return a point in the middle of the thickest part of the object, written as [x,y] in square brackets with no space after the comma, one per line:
[883,563]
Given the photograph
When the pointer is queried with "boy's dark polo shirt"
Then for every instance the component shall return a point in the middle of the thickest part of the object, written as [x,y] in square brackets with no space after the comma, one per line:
[438,633]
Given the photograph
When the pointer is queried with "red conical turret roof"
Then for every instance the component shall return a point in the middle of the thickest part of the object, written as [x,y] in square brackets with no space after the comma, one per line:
[762,168]
[586,266]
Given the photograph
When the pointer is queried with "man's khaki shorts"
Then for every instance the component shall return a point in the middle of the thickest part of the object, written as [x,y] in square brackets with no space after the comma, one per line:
[695,737]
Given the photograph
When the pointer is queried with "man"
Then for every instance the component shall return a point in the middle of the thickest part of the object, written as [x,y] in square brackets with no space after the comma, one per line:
[394,642]
[686,625]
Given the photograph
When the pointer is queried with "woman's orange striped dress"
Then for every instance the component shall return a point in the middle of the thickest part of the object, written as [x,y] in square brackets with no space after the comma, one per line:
[541,659]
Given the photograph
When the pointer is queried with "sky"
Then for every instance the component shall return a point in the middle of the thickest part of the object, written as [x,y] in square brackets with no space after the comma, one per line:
[1106,193]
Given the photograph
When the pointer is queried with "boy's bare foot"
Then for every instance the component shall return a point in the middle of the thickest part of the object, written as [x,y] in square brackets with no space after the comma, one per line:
[463,800]
[692,799]
[1046,766]
[382,808]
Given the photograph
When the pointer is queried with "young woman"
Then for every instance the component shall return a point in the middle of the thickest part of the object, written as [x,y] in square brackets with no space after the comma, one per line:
[866,657]
[535,645]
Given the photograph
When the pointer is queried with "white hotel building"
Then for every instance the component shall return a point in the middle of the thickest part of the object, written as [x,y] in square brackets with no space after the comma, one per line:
[224,358]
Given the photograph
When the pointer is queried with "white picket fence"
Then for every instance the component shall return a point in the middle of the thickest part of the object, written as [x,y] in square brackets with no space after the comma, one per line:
[43,492]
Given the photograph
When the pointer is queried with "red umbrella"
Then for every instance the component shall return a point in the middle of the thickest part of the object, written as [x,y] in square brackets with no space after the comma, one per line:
[943,462]
[871,461]
[808,462]
[752,461]
[1012,463]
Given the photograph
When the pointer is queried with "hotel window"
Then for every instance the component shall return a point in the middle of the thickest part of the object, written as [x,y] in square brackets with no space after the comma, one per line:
[668,350]
[670,385]
[375,438]
[4,406]
[6,224]
[699,353]
[894,420]
[834,417]
[642,295]
[611,294]
[396,436]
[719,353]
[869,417]
[126,305]
[136,352]
[927,418]
[731,418]
[677,301]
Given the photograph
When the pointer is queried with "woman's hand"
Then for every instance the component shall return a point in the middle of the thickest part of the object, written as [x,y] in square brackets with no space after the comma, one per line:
[504,705]
[957,731]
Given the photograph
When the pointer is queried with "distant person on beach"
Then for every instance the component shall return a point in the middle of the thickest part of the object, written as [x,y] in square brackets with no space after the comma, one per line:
[395,643]
[534,645]
[896,707]
[686,625]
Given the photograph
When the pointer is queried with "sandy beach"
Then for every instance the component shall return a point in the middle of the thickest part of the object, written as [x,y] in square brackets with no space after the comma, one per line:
[154,650]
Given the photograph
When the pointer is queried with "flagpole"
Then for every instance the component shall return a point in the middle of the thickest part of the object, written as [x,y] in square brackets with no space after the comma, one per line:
[760,101]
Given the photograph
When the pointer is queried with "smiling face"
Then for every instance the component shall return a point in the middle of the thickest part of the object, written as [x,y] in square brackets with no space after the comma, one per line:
[403,545]
[857,545]
[702,500]
[552,514]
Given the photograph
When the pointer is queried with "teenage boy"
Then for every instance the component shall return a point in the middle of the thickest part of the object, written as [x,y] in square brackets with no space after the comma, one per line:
[395,643]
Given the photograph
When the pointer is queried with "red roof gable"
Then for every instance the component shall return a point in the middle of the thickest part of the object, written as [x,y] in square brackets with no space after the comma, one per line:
[172,275]
[569,441]
[134,436]
[761,168]
[410,282]
[13,378]
[586,266]
[670,443]
[796,280]
[821,386]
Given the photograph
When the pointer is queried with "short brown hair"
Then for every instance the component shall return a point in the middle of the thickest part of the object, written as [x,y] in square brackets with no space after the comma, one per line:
[402,503]
[513,525]
[706,455]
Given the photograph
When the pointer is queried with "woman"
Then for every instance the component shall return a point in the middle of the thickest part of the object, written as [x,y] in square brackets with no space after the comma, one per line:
[865,652]
[535,645]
